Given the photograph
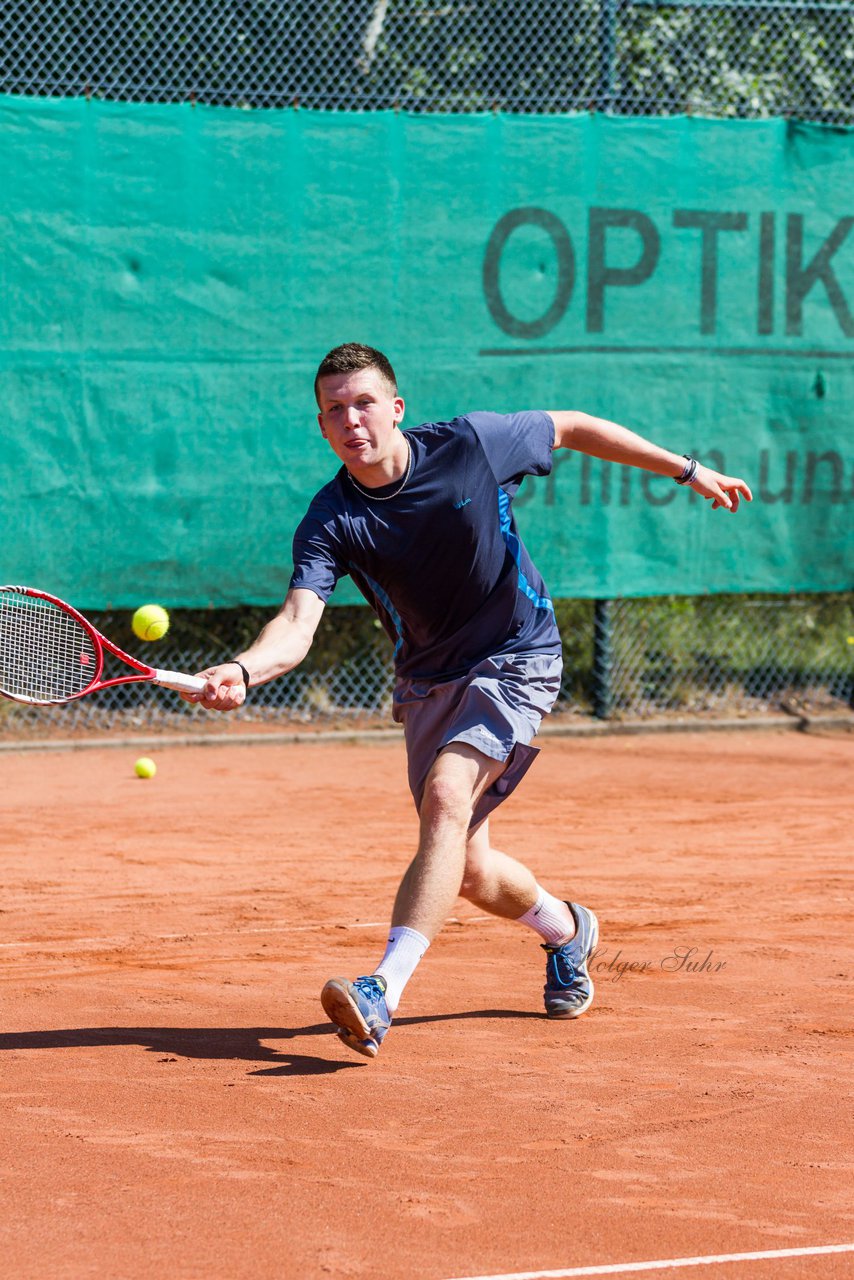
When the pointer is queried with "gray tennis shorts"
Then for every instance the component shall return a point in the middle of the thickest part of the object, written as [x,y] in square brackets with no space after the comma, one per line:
[496,707]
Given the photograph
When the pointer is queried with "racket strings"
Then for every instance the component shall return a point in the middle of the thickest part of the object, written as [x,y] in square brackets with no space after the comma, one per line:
[45,654]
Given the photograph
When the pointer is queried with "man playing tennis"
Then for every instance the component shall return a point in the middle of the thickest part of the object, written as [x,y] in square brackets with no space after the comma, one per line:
[422,522]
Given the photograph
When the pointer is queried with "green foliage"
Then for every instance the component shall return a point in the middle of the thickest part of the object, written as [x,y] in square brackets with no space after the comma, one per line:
[706,652]
[739,60]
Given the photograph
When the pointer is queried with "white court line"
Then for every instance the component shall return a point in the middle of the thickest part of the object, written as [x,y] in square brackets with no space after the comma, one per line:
[190,935]
[623,1268]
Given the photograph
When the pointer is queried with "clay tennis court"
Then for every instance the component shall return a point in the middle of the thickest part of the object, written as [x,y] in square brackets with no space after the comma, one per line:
[175,1104]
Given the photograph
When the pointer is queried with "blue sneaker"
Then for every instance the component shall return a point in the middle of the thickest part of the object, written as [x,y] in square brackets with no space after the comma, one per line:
[359,1011]
[569,987]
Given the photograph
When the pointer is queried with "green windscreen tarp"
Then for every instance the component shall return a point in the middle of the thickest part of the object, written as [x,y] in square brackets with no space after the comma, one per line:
[171,276]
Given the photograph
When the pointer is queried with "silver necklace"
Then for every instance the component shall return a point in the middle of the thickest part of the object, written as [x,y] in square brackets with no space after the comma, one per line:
[369,493]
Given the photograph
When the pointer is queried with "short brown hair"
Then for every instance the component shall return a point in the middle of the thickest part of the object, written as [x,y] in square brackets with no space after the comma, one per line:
[349,358]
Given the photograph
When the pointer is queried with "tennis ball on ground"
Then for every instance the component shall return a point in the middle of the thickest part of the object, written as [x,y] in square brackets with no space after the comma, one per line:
[150,622]
[145,768]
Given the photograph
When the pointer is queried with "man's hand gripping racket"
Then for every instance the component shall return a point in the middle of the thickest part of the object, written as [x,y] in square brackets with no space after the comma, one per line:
[50,653]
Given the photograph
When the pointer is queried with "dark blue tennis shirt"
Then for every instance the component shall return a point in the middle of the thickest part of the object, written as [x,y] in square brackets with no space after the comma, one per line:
[440,562]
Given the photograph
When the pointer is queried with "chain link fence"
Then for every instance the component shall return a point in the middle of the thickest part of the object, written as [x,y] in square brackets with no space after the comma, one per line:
[703,658]
[636,57]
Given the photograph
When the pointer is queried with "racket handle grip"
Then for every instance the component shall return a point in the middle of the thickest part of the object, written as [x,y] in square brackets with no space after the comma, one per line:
[179,682]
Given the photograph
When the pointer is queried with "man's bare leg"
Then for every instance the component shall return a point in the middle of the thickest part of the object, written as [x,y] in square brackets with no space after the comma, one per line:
[493,880]
[504,887]
[499,884]
[362,1010]
[432,881]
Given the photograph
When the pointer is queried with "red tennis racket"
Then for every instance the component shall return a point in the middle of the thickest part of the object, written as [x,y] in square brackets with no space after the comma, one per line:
[50,653]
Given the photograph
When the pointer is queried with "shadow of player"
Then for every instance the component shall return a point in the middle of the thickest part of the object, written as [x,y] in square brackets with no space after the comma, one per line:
[242,1044]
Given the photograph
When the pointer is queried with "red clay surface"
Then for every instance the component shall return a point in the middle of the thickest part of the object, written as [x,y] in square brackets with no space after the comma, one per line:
[174,1103]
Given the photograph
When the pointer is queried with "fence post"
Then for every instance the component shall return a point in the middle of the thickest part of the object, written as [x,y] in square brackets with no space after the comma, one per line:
[602,659]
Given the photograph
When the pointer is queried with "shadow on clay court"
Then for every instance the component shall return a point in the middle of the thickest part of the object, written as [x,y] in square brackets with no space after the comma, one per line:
[231,1043]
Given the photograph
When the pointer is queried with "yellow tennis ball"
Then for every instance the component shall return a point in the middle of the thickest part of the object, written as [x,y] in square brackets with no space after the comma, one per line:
[145,768]
[150,622]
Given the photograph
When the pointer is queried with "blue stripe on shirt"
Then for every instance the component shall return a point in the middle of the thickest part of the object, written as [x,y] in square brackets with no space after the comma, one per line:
[514,547]
[387,605]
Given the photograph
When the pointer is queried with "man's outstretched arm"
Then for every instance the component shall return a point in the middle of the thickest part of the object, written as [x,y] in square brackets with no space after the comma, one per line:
[280,647]
[613,443]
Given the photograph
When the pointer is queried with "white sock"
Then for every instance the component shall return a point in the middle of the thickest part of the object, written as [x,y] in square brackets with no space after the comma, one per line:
[551,918]
[405,948]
